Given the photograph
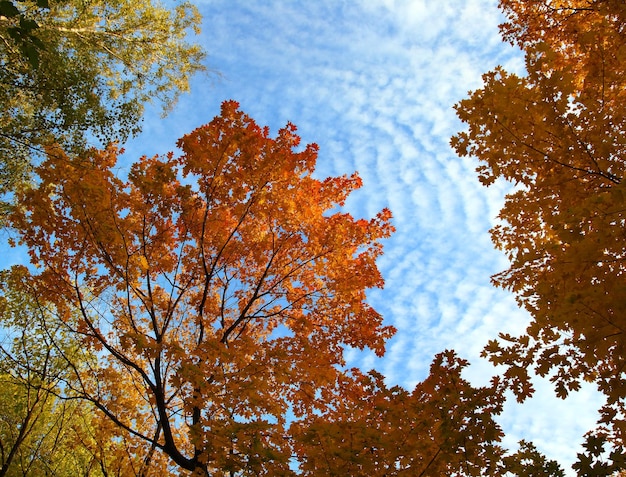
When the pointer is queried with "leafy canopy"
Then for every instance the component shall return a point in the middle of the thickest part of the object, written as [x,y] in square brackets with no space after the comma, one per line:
[73,70]
[558,134]
[40,434]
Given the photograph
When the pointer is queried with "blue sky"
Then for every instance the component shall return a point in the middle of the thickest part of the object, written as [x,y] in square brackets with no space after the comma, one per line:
[373,83]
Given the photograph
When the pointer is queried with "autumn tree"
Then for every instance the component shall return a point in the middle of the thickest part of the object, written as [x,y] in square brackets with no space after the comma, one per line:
[557,133]
[73,70]
[45,429]
[219,288]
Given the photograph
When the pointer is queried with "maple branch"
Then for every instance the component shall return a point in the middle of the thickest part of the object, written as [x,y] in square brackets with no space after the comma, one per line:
[210,271]
[145,468]
[95,332]
[584,147]
[253,298]
[573,10]
[173,304]
[430,462]
[116,420]
[158,334]
[550,157]
[604,318]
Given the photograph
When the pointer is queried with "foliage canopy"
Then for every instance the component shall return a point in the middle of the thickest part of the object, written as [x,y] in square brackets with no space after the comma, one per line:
[558,133]
[74,70]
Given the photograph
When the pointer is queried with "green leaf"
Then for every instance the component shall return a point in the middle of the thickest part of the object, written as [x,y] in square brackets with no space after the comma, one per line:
[37,43]
[7,9]
[32,54]
[16,33]
[28,25]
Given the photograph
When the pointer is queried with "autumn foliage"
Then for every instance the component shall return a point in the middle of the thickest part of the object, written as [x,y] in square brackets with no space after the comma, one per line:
[445,426]
[213,295]
[557,132]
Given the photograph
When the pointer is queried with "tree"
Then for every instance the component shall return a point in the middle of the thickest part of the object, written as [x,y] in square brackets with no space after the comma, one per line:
[558,134]
[216,293]
[76,70]
[38,430]
[219,288]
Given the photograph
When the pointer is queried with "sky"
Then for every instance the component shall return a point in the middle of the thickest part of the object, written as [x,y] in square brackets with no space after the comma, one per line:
[373,83]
